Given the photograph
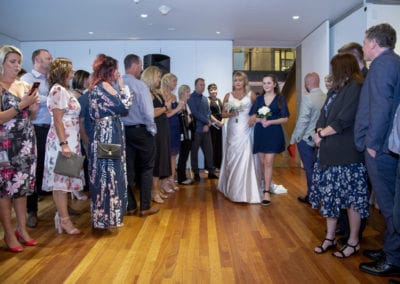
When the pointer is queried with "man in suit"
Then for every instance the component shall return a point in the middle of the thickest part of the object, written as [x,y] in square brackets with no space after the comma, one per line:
[198,104]
[310,108]
[379,99]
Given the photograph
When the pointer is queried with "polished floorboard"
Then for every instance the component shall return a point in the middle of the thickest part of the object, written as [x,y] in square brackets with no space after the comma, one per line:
[197,237]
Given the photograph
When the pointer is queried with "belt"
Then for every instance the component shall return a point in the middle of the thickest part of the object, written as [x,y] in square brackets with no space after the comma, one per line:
[135,126]
[42,125]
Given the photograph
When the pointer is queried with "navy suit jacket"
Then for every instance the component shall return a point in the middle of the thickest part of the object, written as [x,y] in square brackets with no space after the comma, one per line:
[380,96]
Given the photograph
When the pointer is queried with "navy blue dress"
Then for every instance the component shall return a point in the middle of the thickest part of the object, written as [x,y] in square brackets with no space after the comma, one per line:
[271,138]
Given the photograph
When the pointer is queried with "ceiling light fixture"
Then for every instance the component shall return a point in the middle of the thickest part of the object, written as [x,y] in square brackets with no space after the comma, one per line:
[164,9]
[136,1]
[217,32]
[296,17]
[143,16]
[90,33]
[171,29]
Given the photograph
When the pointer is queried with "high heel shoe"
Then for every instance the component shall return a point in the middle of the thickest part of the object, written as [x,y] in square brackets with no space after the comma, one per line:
[29,243]
[65,224]
[165,186]
[172,184]
[13,249]
[78,195]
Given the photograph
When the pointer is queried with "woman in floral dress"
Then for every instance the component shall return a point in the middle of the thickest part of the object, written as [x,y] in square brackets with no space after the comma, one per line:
[63,137]
[107,176]
[17,148]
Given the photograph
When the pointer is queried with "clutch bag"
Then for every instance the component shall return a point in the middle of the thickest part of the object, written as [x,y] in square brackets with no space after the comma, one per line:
[109,151]
[70,167]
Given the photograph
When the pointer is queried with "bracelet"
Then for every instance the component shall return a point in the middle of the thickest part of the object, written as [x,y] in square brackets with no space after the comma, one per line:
[63,143]
[16,107]
[319,134]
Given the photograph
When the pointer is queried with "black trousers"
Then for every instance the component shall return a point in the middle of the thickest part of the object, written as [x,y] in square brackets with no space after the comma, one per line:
[41,136]
[202,140]
[140,156]
[184,152]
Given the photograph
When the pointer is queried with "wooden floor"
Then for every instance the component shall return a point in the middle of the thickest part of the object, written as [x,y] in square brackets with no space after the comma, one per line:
[198,237]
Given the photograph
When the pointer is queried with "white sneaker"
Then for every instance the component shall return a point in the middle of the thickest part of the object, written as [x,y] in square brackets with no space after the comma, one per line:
[278,189]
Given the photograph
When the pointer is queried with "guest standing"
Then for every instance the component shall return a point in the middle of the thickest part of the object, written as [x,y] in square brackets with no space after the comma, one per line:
[268,133]
[339,178]
[63,137]
[217,123]
[41,60]
[17,148]
[108,100]
[162,165]
[140,130]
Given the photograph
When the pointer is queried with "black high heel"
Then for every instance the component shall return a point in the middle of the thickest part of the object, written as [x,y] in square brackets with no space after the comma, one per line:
[266,202]
[341,251]
[331,246]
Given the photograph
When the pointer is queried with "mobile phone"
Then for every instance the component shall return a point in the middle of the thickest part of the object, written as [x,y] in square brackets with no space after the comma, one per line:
[34,87]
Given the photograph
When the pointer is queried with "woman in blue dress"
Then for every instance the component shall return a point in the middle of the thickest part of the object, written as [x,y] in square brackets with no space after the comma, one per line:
[268,133]
[108,99]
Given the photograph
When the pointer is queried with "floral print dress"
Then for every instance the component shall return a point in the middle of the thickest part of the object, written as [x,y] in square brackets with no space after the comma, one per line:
[108,180]
[18,142]
[61,98]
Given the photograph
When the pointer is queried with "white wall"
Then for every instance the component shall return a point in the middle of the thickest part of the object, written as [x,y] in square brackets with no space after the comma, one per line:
[377,14]
[211,60]
[350,29]
[315,54]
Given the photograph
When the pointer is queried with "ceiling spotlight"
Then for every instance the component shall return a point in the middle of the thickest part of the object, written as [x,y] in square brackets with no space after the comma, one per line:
[144,16]
[164,10]
[136,1]
[296,17]
[217,32]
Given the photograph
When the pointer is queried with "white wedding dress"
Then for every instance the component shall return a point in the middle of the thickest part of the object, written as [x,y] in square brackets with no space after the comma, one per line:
[238,180]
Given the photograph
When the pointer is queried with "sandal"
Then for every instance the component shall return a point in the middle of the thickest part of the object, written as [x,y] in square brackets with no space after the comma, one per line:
[324,250]
[266,202]
[341,251]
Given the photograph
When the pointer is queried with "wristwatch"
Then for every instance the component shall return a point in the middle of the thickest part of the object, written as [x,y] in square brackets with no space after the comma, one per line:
[63,143]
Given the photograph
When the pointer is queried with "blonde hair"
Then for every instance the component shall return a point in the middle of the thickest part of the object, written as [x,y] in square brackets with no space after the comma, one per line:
[242,75]
[149,77]
[182,90]
[59,71]
[5,50]
[166,82]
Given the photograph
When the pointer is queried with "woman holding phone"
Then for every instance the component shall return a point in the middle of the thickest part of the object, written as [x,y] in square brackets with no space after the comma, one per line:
[17,148]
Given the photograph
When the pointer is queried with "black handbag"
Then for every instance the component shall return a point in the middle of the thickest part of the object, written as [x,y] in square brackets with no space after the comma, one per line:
[109,151]
[70,167]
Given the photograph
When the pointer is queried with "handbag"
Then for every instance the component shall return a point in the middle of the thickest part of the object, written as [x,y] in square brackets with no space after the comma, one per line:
[109,151]
[70,167]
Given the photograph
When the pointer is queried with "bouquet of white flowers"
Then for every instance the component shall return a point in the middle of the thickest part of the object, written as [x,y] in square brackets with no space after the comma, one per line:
[233,105]
[264,112]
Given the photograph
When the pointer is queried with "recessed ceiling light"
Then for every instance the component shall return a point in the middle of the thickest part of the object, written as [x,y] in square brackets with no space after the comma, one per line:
[217,32]
[171,29]
[144,15]
[296,17]
[90,33]
[164,9]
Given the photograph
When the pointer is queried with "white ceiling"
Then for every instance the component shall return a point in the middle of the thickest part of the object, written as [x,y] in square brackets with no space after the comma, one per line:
[247,22]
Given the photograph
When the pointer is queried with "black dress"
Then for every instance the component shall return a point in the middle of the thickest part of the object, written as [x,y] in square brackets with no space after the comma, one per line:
[216,134]
[162,165]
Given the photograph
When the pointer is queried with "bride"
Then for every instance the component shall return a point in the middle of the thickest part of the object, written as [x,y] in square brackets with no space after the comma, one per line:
[238,180]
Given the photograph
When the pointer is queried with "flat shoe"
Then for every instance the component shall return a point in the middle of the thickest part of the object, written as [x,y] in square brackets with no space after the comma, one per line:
[341,251]
[324,250]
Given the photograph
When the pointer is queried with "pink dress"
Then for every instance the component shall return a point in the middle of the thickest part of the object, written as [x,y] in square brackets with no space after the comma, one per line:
[61,98]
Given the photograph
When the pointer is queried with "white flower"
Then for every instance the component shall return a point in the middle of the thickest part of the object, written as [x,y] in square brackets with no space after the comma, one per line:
[263,112]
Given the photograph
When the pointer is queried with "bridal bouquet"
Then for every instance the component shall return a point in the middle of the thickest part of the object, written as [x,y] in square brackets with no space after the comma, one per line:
[263,112]
[233,105]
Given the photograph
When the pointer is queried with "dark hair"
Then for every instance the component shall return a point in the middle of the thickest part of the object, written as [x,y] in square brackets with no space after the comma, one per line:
[36,53]
[103,70]
[384,34]
[59,71]
[197,80]
[353,48]
[345,67]
[79,79]
[212,86]
[129,59]
[277,91]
